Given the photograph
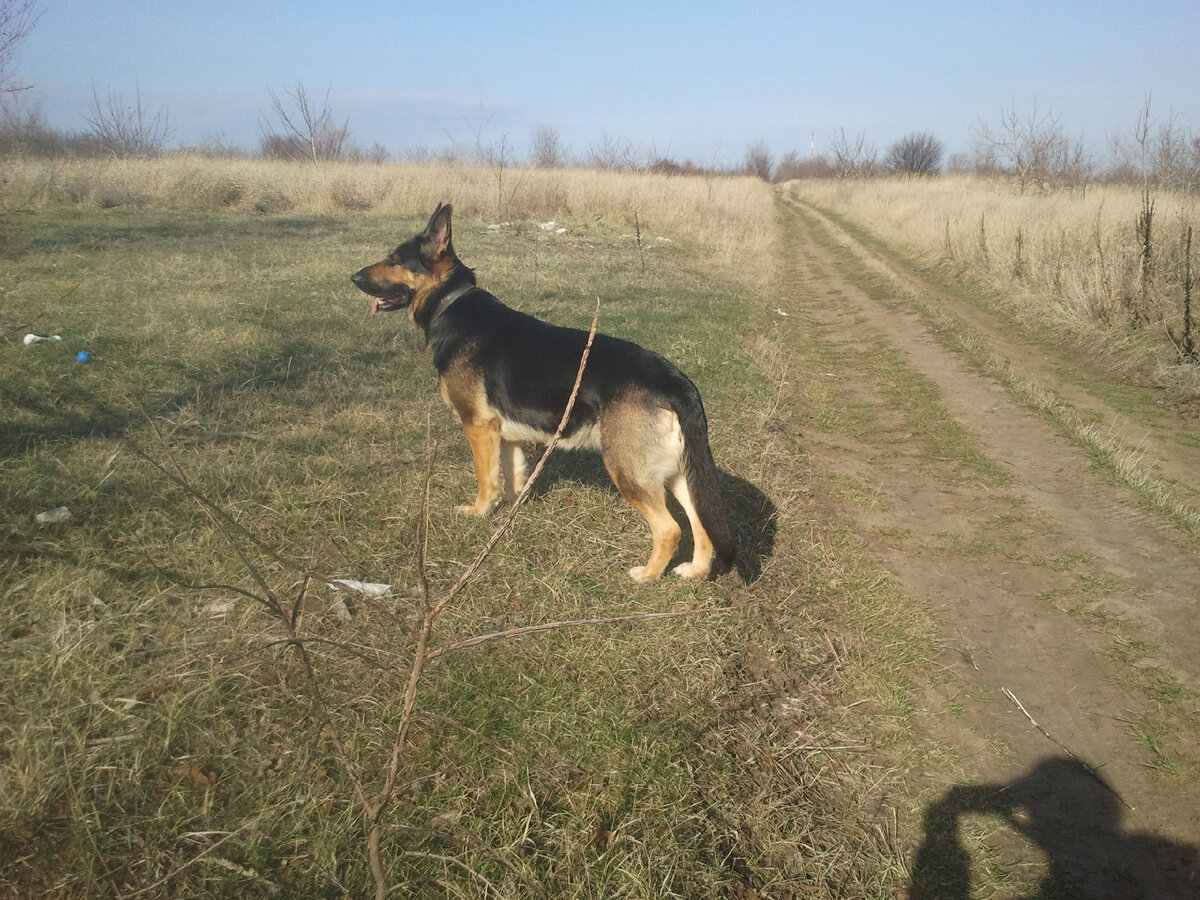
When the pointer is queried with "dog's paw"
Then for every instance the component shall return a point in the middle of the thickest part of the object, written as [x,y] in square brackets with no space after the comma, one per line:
[690,570]
[641,573]
[474,509]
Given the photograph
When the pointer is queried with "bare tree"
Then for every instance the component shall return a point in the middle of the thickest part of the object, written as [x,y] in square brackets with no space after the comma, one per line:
[1177,156]
[17,18]
[309,130]
[611,154]
[758,160]
[919,153]
[853,158]
[546,150]
[1166,154]
[23,128]
[1033,147]
[127,129]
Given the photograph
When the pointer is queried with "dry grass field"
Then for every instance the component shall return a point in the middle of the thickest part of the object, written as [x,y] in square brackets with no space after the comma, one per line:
[1070,263]
[188,709]
[731,215]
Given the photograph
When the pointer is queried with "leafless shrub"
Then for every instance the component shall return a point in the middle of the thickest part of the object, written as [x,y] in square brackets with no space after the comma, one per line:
[377,153]
[758,161]
[1032,147]
[613,155]
[792,165]
[665,165]
[853,158]
[309,131]
[959,164]
[546,150]
[127,129]
[1164,154]
[23,130]
[501,159]
[919,153]
[421,155]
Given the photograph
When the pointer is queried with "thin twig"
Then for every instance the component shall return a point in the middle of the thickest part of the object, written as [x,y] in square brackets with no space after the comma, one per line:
[373,809]
[572,623]
[442,858]
[226,525]
[201,855]
[966,651]
[528,487]
[1013,697]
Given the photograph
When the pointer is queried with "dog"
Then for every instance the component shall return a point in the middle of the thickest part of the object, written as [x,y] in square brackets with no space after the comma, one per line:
[508,377]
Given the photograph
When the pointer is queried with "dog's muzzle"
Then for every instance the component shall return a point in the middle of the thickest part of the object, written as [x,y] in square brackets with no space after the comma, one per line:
[395,297]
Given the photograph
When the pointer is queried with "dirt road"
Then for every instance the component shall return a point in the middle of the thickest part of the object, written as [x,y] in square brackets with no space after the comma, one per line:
[1060,596]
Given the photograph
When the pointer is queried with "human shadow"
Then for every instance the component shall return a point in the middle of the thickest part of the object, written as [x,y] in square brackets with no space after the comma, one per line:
[752,514]
[1074,817]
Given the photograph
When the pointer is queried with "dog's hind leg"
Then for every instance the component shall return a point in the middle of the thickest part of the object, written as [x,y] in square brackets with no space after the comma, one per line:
[702,552]
[485,448]
[664,530]
[512,461]
[643,451]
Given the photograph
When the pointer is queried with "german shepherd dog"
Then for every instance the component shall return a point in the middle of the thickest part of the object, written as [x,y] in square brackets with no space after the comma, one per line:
[508,377]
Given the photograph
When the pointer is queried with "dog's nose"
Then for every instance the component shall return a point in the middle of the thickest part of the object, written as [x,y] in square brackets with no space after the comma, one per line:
[357,277]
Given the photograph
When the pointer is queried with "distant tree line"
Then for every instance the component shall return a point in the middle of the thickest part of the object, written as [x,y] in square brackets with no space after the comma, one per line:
[1031,148]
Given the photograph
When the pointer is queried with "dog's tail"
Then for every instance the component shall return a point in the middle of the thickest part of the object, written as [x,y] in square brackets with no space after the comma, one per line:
[701,473]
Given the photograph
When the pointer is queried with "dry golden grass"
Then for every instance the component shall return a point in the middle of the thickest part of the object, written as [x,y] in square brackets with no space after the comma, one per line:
[733,215]
[1069,261]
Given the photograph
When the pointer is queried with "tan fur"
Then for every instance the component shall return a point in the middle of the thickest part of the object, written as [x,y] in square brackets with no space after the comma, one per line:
[642,447]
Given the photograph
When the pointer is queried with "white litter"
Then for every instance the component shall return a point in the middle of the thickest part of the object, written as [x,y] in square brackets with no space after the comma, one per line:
[780,312]
[53,516]
[340,609]
[371,589]
[34,338]
[220,607]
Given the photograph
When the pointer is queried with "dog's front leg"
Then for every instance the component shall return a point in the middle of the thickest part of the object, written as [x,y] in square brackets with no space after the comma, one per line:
[484,439]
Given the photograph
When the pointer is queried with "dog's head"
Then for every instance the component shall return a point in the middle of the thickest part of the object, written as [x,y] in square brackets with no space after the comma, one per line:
[411,272]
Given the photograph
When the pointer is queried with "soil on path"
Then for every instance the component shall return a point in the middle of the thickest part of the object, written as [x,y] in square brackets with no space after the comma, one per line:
[1059,596]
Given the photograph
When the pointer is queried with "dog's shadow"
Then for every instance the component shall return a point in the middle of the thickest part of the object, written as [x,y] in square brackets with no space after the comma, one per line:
[751,512]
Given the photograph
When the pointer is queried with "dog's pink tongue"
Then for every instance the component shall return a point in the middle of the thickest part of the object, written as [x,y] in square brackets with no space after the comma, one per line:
[375,303]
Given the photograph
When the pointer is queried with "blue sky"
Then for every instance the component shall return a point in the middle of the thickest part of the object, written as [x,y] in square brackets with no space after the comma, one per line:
[697,81]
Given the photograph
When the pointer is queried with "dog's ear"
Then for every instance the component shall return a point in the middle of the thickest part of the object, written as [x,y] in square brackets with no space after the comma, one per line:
[438,230]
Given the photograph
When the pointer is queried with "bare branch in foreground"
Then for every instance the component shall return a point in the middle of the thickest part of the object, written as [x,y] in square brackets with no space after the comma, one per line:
[1011,696]
[373,802]
[373,810]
